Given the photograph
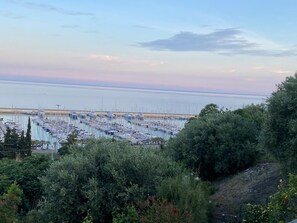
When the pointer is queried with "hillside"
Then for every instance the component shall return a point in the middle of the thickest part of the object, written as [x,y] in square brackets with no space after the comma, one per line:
[253,185]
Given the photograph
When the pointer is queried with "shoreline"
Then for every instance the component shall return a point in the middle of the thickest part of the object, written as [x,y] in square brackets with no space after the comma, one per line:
[117,113]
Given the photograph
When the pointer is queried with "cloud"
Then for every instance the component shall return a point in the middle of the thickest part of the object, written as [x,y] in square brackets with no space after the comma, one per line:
[281,72]
[124,61]
[231,41]
[13,15]
[106,58]
[144,27]
[70,26]
[51,8]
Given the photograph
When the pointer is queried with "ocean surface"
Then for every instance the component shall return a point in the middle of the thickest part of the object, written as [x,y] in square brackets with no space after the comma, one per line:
[89,98]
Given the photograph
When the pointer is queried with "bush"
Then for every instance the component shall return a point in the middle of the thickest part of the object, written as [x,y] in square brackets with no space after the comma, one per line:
[100,178]
[189,194]
[216,145]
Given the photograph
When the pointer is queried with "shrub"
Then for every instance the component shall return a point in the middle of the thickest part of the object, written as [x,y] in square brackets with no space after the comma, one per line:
[216,145]
[100,178]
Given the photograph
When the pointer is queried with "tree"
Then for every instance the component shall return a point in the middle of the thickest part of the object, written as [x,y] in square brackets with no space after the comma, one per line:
[255,113]
[9,203]
[26,174]
[280,130]
[216,145]
[2,150]
[102,177]
[8,144]
[71,140]
[7,136]
[27,151]
[22,145]
[209,109]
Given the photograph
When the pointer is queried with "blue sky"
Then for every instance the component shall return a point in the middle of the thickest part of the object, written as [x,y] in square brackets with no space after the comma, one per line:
[245,46]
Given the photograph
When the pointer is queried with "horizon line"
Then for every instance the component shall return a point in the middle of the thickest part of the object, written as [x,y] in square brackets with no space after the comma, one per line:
[70,83]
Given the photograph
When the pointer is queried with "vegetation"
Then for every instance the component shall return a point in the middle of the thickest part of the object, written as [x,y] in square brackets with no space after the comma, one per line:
[102,178]
[26,174]
[280,131]
[188,194]
[209,109]
[114,182]
[280,208]
[16,146]
[9,202]
[216,145]
[66,147]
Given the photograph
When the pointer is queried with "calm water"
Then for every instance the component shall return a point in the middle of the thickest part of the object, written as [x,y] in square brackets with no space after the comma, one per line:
[48,96]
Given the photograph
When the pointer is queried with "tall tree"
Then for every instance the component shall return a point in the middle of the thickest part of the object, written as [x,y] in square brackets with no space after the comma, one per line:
[12,144]
[2,153]
[28,139]
[9,144]
[22,145]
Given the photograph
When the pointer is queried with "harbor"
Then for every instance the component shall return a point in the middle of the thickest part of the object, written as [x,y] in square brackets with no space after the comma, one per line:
[50,128]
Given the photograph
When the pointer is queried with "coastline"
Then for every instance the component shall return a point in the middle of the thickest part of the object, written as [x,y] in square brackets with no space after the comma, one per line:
[66,112]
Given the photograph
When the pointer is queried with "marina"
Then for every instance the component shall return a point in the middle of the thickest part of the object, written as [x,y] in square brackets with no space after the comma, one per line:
[50,128]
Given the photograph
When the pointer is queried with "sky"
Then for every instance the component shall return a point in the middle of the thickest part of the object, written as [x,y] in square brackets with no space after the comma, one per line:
[229,46]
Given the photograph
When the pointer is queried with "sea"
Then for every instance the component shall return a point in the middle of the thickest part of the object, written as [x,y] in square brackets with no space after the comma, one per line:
[27,95]
[91,98]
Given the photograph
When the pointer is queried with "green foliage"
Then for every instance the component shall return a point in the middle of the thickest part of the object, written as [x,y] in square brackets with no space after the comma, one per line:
[129,215]
[9,204]
[2,150]
[189,194]
[100,178]
[22,144]
[209,109]
[26,174]
[11,140]
[156,210]
[88,219]
[28,141]
[66,147]
[280,132]
[282,206]
[216,145]
[15,146]
[255,113]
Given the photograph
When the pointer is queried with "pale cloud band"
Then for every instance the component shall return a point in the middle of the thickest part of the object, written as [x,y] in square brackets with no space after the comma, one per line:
[124,61]
[229,41]
[50,8]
